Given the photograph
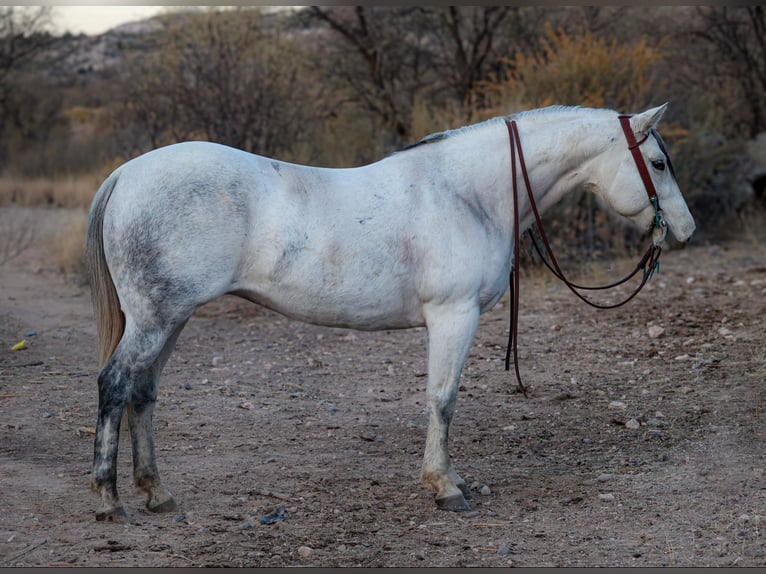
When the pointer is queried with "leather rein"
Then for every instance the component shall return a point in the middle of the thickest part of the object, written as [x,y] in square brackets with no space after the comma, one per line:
[648,264]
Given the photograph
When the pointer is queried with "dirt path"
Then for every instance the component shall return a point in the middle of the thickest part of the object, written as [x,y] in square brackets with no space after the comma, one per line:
[257,411]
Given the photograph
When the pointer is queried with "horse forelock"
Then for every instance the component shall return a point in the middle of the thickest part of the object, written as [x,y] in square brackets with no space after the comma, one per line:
[661,143]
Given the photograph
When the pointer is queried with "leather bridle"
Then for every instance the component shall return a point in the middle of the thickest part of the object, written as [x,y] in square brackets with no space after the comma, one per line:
[648,264]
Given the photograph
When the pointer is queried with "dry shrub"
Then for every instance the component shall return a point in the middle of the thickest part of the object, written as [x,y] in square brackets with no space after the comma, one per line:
[581,70]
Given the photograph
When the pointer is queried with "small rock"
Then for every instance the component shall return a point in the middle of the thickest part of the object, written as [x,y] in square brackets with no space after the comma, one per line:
[504,550]
[47,415]
[723,331]
[605,477]
[656,331]
[247,405]
[305,551]
[618,405]
[217,360]
[486,490]
[683,357]
[179,518]
[245,526]
[277,516]
[188,386]
[606,497]
[655,423]
[633,424]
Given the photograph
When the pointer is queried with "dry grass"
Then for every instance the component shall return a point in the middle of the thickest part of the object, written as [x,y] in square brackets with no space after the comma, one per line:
[65,191]
[17,234]
[69,246]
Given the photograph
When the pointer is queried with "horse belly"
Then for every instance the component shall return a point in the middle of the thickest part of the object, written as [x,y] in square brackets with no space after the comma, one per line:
[337,280]
[326,299]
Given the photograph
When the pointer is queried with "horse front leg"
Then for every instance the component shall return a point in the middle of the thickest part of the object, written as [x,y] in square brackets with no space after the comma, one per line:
[450,332]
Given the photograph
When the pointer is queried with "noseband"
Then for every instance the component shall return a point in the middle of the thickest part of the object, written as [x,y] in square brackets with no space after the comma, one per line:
[648,264]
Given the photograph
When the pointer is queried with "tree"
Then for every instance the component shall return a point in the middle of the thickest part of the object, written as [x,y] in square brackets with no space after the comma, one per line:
[227,76]
[735,39]
[23,40]
[388,67]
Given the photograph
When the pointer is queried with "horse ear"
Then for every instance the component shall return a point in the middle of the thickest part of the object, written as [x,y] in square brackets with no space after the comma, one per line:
[643,122]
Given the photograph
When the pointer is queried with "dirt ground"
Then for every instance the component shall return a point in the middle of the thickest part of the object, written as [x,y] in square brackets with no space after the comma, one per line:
[636,446]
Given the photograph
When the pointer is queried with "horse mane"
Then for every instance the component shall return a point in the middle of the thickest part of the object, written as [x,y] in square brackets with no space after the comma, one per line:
[549,111]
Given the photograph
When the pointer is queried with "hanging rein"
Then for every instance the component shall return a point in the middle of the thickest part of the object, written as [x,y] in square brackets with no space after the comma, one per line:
[648,264]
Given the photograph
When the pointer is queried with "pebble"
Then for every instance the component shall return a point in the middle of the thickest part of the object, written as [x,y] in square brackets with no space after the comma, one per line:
[618,405]
[217,360]
[245,526]
[179,518]
[47,415]
[656,331]
[305,551]
[655,423]
[486,490]
[605,477]
[633,424]
[607,497]
[188,386]
[504,550]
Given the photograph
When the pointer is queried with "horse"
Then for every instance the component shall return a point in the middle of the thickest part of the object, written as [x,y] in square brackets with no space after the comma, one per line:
[422,237]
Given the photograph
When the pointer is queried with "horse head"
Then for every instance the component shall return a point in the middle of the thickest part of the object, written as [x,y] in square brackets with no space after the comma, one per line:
[629,192]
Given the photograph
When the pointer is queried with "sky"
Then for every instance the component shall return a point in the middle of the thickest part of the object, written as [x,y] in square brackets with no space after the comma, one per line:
[98,19]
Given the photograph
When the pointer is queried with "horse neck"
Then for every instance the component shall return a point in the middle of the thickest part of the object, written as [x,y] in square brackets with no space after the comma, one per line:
[556,152]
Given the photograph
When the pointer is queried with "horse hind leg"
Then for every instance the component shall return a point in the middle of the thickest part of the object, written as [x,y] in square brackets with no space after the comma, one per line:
[130,366]
[140,409]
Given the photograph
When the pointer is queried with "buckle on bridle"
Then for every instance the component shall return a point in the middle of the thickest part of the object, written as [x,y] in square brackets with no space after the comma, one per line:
[660,229]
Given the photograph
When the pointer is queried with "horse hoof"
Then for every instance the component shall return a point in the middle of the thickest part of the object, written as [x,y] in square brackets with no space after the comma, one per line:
[467,494]
[160,504]
[454,503]
[115,514]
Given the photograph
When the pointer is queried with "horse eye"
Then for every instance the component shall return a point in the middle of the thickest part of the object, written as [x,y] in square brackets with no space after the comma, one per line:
[658,164]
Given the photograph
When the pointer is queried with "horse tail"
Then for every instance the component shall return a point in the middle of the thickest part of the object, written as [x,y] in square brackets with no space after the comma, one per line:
[110,321]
